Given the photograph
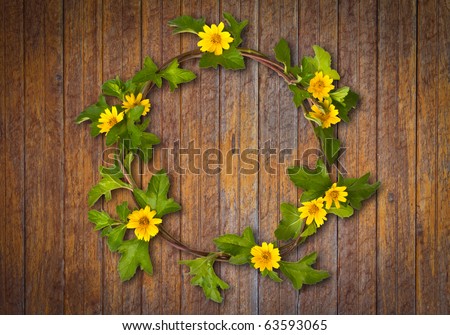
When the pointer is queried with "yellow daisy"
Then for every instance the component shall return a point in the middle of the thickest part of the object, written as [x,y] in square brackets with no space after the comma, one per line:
[214,39]
[320,86]
[335,194]
[313,210]
[108,119]
[131,101]
[328,116]
[144,223]
[265,257]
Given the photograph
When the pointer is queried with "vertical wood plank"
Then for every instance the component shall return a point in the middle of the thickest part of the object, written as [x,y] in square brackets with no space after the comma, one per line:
[365,117]
[387,164]
[152,46]
[12,180]
[443,157]
[92,79]
[406,156]
[287,150]
[44,158]
[269,83]
[171,270]
[191,131]
[3,247]
[348,228]
[131,63]
[74,210]
[427,271]
[248,174]
[112,30]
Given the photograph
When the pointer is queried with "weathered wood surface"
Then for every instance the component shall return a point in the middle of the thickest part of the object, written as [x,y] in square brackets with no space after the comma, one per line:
[390,258]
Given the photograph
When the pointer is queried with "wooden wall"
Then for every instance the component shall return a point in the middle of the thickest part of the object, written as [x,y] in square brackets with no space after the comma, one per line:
[391,258]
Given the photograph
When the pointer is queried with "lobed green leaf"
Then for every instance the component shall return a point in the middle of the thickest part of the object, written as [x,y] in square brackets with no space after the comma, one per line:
[104,187]
[230,59]
[134,254]
[358,189]
[300,95]
[330,144]
[290,225]
[187,24]
[235,28]
[176,75]
[100,219]
[238,247]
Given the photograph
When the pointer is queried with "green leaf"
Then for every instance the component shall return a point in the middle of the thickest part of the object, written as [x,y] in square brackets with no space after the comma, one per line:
[123,211]
[157,190]
[272,275]
[134,253]
[135,133]
[115,88]
[235,28]
[342,212]
[176,75]
[283,54]
[238,247]
[187,24]
[100,219]
[146,147]
[299,95]
[92,112]
[204,276]
[311,229]
[141,198]
[229,59]
[309,68]
[117,131]
[301,272]
[330,145]
[358,189]
[104,187]
[290,225]
[323,61]
[127,161]
[340,94]
[350,101]
[113,170]
[115,237]
[314,182]
[135,113]
[148,73]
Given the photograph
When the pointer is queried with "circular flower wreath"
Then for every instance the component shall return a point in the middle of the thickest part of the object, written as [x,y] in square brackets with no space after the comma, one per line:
[125,126]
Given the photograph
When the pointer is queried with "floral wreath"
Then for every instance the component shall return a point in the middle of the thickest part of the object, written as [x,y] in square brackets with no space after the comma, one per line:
[125,127]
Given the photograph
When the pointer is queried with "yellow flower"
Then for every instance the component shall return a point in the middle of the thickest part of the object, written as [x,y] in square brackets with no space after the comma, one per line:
[108,119]
[313,210]
[328,116]
[335,194]
[214,39]
[320,86]
[265,257]
[144,222]
[132,101]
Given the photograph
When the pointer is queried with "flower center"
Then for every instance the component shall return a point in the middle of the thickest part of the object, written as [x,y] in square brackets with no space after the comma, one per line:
[112,122]
[313,209]
[144,221]
[266,256]
[216,39]
[334,194]
[319,85]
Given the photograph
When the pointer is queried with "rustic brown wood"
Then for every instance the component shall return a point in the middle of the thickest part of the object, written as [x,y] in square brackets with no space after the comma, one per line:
[13,257]
[390,258]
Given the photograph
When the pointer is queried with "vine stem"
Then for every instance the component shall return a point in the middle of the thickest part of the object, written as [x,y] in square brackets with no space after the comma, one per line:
[195,54]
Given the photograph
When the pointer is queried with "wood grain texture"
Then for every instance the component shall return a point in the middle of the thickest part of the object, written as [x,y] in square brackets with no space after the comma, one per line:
[390,258]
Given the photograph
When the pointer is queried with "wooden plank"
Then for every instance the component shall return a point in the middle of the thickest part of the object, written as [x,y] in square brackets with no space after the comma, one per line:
[365,118]
[152,24]
[3,159]
[171,271]
[229,178]
[427,274]
[308,146]
[269,83]
[12,179]
[92,79]
[347,61]
[190,137]
[287,150]
[387,164]
[131,63]
[74,210]
[248,192]
[112,66]
[443,174]
[44,174]
[406,157]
